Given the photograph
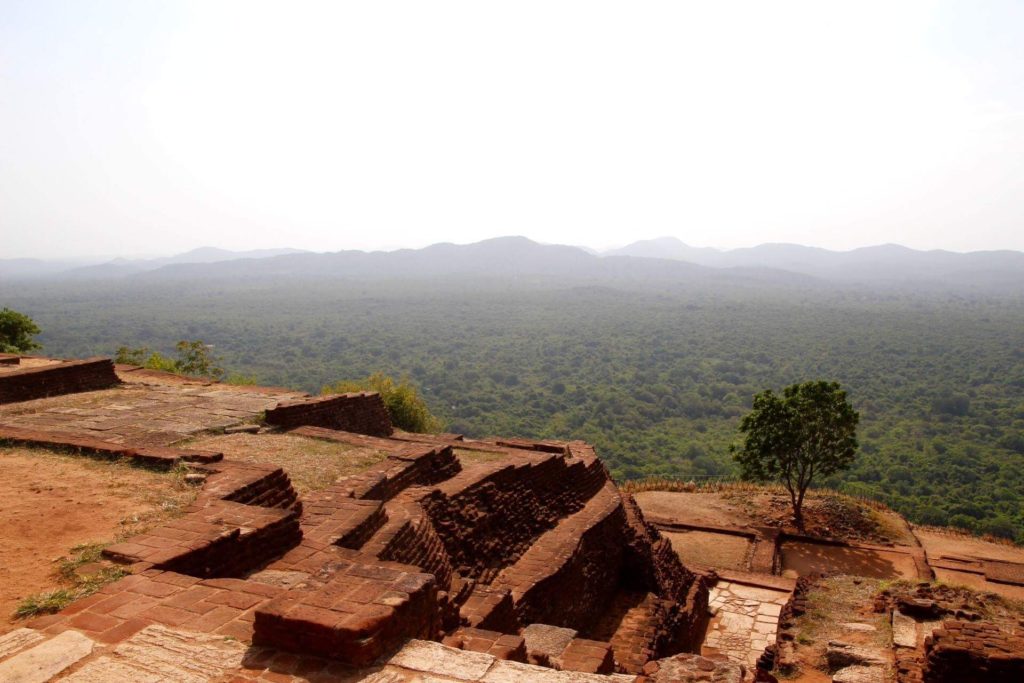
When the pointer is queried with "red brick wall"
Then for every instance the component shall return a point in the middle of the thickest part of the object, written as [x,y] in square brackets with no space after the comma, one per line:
[576,592]
[488,518]
[968,652]
[53,380]
[362,413]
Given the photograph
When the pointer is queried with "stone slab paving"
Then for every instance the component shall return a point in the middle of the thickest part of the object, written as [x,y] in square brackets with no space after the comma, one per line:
[744,622]
[19,639]
[158,654]
[161,654]
[46,660]
[143,414]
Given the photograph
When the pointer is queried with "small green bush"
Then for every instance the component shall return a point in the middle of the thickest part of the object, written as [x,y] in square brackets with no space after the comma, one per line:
[194,360]
[407,409]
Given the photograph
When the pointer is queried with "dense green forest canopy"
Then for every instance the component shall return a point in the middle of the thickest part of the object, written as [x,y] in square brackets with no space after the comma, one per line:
[656,376]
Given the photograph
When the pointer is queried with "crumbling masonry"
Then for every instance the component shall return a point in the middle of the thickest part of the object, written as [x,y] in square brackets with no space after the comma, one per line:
[534,546]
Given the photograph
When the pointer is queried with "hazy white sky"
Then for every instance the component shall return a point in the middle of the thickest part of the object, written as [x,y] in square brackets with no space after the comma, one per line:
[143,127]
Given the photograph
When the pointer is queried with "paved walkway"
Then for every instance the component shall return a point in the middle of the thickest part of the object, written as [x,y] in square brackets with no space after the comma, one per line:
[151,414]
[745,621]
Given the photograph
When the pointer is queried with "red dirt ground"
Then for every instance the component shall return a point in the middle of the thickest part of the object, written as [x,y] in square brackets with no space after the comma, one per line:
[825,516]
[710,550]
[939,543]
[50,503]
[699,509]
[813,558]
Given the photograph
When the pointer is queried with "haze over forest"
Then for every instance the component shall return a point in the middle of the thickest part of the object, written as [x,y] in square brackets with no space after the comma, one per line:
[443,191]
[654,360]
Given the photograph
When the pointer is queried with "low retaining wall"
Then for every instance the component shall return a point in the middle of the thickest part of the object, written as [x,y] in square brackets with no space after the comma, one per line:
[250,484]
[71,377]
[412,540]
[246,515]
[362,413]
[964,651]
[218,539]
[159,457]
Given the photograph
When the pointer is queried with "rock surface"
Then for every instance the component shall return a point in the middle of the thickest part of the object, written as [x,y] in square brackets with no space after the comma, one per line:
[860,674]
[840,655]
[42,662]
[687,668]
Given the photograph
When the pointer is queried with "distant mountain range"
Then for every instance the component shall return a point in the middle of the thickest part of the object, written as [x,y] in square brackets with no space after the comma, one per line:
[887,262]
[664,260]
[27,268]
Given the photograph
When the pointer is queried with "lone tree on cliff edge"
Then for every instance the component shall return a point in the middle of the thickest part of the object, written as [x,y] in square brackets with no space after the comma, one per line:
[809,431]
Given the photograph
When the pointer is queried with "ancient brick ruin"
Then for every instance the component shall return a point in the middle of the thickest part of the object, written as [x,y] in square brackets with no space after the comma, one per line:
[532,556]
[446,559]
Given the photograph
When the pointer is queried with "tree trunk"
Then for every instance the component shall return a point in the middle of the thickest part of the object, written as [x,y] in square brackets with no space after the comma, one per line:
[796,502]
[798,510]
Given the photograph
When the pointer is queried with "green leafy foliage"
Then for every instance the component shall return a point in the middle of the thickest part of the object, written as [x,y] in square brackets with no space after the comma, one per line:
[810,430]
[194,360]
[658,378]
[406,407]
[16,332]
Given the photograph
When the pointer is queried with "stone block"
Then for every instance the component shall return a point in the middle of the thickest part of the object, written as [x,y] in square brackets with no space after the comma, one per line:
[46,660]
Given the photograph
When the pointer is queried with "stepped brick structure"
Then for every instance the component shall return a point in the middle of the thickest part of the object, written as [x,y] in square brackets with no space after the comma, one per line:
[436,558]
[522,563]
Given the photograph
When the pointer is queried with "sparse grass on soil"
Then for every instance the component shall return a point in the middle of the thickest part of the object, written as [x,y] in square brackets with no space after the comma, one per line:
[829,515]
[831,603]
[83,572]
[312,464]
[52,500]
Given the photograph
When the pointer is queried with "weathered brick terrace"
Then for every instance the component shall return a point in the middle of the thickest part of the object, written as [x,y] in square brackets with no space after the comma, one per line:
[442,559]
[528,564]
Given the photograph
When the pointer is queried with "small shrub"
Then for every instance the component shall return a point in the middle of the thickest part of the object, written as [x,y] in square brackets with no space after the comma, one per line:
[194,360]
[407,409]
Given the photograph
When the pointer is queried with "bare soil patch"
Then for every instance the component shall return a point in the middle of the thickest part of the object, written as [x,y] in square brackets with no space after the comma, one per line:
[52,502]
[817,558]
[825,515]
[720,551]
[312,464]
[938,543]
[698,508]
[978,582]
